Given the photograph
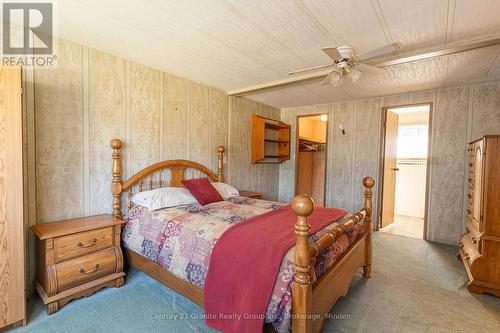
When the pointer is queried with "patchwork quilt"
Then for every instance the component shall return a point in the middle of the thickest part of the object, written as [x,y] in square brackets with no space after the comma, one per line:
[181,239]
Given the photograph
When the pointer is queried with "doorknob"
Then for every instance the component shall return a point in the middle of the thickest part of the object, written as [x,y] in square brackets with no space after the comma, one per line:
[395,169]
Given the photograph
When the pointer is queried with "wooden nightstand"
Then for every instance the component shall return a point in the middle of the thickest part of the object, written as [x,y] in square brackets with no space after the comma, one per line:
[251,194]
[77,257]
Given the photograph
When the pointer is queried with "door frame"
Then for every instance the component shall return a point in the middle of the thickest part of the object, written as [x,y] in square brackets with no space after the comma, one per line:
[382,163]
[297,122]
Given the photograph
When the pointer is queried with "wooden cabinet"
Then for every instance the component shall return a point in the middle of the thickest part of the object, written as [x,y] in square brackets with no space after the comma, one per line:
[77,257]
[12,223]
[480,245]
[270,140]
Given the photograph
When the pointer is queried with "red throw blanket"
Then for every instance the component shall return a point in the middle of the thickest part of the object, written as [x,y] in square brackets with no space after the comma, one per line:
[244,265]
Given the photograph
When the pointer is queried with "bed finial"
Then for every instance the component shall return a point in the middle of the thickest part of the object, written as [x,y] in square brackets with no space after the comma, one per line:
[116,144]
[220,158]
[116,185]
[368,183]
[303,206]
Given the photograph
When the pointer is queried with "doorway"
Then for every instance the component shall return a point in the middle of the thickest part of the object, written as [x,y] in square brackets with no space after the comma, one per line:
[310,176]
[405,169]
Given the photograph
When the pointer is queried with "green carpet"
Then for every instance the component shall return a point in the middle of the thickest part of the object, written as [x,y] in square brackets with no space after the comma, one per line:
[416,286]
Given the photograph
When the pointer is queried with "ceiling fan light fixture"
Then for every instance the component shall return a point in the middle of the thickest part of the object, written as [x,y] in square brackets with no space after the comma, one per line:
[337,83]
[345,51]
[354,74]
[333,78]
[336,79]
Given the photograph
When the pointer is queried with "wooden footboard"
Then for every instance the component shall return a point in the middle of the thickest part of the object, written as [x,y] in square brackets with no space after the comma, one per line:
[311,302]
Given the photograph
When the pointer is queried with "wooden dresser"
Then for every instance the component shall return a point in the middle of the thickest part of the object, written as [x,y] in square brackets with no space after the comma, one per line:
[480,245]
[77,257]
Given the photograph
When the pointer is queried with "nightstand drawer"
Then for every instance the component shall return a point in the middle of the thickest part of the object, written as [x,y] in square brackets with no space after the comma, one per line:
[71,246]
[86,268]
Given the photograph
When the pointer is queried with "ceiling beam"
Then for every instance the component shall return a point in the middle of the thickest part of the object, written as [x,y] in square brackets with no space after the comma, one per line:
[403,58]
[292,81]
[438,51]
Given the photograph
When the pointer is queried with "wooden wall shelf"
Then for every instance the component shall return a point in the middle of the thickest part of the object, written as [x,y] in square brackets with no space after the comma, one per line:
[270,140]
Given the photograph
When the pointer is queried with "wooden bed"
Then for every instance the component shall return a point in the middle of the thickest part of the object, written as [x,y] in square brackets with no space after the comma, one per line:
[310,301]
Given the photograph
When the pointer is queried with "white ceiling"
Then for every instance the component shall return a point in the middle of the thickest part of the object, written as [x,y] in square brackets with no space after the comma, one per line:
[233,44]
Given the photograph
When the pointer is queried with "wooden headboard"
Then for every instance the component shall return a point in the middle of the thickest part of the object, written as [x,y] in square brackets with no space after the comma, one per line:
[153,176]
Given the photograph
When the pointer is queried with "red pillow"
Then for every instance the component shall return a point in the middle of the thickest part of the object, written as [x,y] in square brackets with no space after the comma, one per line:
[202,190]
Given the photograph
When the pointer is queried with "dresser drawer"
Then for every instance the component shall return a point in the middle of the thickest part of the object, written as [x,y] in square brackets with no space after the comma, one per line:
[86,268]
[71,246]
[469,197]
[471,176]
[469,210]
[468,248]
[473,231]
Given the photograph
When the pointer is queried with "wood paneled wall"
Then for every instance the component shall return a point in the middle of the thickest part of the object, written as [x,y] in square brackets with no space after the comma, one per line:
[92,97]
[243,174]
[459,116]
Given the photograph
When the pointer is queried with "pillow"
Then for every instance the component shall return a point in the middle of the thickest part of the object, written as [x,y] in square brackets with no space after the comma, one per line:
[202,190]
[226,190]
[163,197]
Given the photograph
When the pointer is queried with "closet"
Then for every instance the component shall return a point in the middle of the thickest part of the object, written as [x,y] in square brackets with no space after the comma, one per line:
[311,157]
[12,226]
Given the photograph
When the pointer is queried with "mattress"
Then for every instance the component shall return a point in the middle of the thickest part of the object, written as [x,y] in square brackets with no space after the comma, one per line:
[181,239]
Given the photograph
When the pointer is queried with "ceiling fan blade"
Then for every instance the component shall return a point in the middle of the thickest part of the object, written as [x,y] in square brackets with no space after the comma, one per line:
[332,52]
[380,51]
[311,69]
[334,78]
[368,68]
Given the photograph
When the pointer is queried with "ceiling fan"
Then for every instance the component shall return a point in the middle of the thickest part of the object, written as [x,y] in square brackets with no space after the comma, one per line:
[347,63]
[373,58]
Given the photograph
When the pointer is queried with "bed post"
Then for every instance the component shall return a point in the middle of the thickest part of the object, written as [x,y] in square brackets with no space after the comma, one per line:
[303,206]
[220,158]
[116,186]
[368,183]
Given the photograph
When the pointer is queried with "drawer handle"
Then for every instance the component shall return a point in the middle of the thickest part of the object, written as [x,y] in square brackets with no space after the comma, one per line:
[469,180]
[468,211]
[92,243]
[470,164]
[467,230]
[93,270]
[469,196]
[474,240]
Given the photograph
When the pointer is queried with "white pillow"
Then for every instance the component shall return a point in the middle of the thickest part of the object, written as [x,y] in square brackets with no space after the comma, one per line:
[226,190]
[163,197]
